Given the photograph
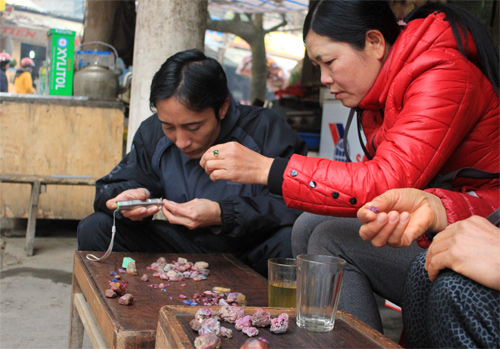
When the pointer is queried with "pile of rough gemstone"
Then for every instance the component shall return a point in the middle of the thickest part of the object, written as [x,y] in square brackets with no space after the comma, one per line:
[214,298]
[206,323]
[179,270]
[117,288]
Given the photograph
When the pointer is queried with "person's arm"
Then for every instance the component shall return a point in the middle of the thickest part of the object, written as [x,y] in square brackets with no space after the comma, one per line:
[228,164]
[412,147]
[400,216]
[29,84]
[470,247]
[135,170]
[272,137]
[255,215]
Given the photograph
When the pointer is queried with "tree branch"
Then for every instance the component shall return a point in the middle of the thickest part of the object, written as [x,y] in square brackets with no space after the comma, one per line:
[235,26]
[283,23]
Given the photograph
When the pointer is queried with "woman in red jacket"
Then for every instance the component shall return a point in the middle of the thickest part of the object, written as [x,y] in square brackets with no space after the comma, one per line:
[427,99]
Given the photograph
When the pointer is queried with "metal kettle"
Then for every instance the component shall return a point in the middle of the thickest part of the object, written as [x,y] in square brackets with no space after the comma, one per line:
[97,80]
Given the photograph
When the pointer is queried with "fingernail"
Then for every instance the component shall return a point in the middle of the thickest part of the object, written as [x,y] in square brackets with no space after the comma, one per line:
[405,216]
[381,218]
[393,217]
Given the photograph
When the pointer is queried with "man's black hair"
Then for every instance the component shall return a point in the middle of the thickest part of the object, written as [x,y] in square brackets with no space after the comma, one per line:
[195,80]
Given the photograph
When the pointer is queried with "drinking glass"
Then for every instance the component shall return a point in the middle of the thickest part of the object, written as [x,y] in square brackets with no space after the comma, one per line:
[319,279]
[282,282]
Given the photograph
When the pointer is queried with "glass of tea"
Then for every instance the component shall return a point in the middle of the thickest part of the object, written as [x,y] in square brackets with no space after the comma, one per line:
[282,282]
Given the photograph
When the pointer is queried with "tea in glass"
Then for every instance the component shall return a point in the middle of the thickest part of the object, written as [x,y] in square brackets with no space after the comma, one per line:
[282,281]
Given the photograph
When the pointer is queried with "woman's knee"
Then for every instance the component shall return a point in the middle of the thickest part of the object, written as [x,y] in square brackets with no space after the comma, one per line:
[302,230]
[334,236]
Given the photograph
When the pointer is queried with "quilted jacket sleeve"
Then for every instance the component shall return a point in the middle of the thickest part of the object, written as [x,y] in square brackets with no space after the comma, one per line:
[421,132]
[458,207]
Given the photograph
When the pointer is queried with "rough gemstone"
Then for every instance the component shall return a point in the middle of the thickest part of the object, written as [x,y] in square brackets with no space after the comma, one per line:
[109,293]
[210,325]
[203,314]
[118,288]
[207,341]
[230,313]
[280,324]
[126,299]
[195,325]
[255,343]
[245,321]
[261,318]
[131,268]
[201,265]
[226,332]
[250,331]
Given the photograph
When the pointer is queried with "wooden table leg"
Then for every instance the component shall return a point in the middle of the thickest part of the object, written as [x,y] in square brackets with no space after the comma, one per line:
[30,230]
[82,319]
[76,328]
[88,321]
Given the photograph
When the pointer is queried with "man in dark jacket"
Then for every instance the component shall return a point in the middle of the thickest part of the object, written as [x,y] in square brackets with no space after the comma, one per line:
[194,110]
[4,63]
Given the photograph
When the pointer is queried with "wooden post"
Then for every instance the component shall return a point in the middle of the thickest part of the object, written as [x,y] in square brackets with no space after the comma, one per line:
[30,230]
[162,29]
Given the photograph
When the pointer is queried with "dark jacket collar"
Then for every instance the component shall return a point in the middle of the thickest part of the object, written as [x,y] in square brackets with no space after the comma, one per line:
[230,121]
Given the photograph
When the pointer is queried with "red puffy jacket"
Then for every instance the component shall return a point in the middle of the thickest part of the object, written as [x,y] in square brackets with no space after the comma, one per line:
[431,111]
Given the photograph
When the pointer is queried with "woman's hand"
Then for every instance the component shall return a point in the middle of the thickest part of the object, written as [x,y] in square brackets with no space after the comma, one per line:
[404,215]
[138,213]
[470,247]
[193,214]
[236,163]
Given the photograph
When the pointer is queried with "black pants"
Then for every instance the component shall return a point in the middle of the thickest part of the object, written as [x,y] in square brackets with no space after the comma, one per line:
[94,234]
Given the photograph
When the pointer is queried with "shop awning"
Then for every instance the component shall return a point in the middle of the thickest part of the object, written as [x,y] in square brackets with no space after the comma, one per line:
[258,6]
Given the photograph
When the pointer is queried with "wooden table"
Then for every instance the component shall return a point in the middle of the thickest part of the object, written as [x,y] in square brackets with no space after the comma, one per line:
[109,324]
[349,332]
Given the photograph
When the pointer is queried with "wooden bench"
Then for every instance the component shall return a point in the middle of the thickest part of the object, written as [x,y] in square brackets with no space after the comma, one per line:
[39,185]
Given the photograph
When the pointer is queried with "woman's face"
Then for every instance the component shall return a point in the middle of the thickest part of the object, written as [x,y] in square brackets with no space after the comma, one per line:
[348,73]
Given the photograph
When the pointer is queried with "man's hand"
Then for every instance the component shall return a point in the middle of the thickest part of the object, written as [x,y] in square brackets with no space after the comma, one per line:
[194,214]
[136,214]
[236,163]
[404,215]
[470,247]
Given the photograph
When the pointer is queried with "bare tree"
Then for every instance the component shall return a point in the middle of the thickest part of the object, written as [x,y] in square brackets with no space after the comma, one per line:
[252,31]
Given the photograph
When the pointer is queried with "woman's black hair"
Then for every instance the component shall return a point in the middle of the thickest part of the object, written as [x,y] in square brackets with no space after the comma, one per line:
[462,21]
[195,80]
[349,20]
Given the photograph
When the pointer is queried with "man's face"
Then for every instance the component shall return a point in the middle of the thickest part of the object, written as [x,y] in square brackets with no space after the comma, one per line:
[192,132]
